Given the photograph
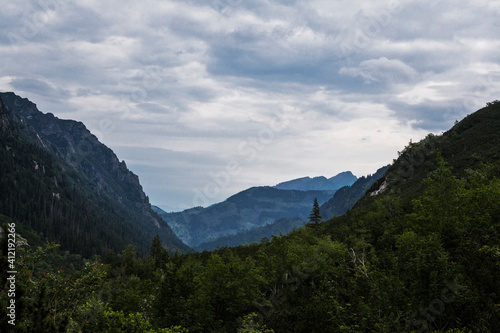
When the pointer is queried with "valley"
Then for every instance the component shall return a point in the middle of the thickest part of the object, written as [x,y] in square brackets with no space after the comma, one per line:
[417,237]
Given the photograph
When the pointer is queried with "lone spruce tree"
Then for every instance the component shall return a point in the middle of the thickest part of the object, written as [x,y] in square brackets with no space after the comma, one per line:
[315,216]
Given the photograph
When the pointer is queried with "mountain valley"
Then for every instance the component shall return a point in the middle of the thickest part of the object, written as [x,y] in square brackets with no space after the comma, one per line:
[413,247]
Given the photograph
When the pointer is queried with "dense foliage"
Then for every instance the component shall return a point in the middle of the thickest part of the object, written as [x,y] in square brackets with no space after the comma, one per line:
[390,266]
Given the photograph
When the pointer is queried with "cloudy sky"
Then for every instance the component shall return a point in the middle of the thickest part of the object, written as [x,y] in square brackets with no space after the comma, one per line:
[205,98]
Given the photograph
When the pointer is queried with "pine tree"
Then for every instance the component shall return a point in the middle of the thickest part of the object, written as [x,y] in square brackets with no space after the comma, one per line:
[315,216]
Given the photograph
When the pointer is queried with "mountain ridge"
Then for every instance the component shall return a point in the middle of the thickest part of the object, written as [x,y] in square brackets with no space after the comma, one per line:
[243,211]
[320,183]
[85,174]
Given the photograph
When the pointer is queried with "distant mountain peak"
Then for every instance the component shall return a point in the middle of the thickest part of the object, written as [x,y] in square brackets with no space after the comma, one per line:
[320,183]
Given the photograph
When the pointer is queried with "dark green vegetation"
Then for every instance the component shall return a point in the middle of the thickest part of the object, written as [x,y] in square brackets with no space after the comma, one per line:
[419,253]
[59,183]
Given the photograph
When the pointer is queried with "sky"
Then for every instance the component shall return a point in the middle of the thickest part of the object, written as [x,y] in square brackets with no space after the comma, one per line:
[203,99]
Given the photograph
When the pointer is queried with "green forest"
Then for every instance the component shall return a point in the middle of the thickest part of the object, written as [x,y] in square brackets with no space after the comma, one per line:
[420,252]
[431,264]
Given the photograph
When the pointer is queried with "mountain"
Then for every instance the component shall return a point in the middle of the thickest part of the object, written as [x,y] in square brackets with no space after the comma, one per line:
[249,209]
[319,183]
[257,207]
[342,200]
[472,141]
[346,197]
[59,182]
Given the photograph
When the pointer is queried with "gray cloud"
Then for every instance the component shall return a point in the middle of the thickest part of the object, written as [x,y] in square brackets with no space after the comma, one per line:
[382,70]
[39,87]
[431,115]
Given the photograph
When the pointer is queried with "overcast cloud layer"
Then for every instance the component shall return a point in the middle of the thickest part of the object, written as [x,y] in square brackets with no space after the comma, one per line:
[203,99]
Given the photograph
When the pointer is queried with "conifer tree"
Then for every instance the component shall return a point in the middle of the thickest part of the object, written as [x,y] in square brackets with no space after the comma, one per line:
[315,216]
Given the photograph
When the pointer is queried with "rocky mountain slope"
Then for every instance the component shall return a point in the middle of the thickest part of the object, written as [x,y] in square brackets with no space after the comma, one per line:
[71,188]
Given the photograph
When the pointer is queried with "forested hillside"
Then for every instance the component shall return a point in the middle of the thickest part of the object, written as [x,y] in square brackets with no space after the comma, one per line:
[418,253]
[76,194]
